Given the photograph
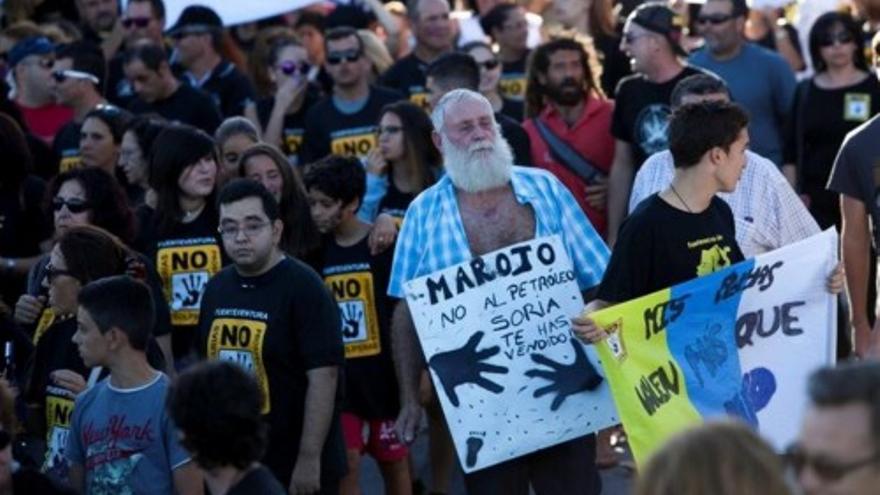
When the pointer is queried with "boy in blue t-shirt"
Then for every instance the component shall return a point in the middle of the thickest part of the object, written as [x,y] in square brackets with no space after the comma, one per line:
[122,440]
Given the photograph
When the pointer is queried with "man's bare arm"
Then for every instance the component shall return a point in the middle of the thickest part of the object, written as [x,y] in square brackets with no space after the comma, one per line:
[619,186]
[409,361]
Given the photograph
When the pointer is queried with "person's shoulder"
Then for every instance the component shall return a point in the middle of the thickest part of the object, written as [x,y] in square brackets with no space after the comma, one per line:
[225,276]
[629,82]
[383,94]
[188,93]
[865,134]
[659,161]
[321,107]
[88,397]
[699,56]
[539,179]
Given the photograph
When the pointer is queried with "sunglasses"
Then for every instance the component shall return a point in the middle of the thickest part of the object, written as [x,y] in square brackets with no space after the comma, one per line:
[52,273]
[841,37]
[489,64]
[140,22]
[62,75]
[289,67]
[714,19]
[73,205]
[334,58]
[826,469]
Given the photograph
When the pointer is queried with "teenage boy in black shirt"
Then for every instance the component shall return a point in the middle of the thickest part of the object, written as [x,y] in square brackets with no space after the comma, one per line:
[359,282]
[158,91]
[345,122]
[272,315]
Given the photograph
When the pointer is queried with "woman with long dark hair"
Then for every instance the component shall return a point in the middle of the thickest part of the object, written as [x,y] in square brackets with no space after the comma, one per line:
[134,154]
[101,137]
[842,95]
[181,237]
[266,165]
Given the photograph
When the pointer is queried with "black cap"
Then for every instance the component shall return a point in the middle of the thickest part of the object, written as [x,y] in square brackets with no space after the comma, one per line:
[657,17]
[197,19]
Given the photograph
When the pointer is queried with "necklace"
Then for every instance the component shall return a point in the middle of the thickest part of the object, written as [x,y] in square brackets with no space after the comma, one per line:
[680,198]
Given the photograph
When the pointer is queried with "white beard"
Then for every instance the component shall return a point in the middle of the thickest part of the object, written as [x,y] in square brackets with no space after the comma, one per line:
[482,166]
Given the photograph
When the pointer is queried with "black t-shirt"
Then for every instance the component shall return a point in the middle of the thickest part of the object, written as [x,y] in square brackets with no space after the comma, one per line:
[258,481]
[615,63]
[22,227]
[294,124]
[823,117]
[66,146]
[186,256]
[395,202]
[187,104]
[660,246]
[517,137]
[641,113]
[118,89]
[329,130]
[516,110]
[513,79]
[856,171]
[359,282]
[278,326]
[228,87]
[407,75]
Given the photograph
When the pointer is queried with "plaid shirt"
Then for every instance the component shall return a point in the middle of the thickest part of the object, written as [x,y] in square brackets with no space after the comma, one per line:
[432,236]
[767,212]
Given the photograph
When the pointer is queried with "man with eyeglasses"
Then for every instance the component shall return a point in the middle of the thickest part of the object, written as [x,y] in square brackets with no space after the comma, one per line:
[838,449]
[142,22]
[30,62]
[272,315]
[508,27]
[197,36]
[435,35]
[759,79]
[78,77]
[651,38]
[344,123]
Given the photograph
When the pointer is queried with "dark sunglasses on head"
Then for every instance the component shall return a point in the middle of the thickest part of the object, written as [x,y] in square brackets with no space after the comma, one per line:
[62,75]
[714,19]
[842,37]
[140,22]
[489,64]
[73,205]
[334,58]
[289,67]
[828,470]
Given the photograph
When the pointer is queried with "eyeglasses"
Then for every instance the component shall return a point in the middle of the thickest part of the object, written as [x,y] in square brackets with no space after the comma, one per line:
[73,205]
[52,273]
[334,58]
[45,63]
[828,470]
[490,64]
[841,37]
[62,75]
[289,67]
[250,230]
[388,129]
[140,22]
[714,19]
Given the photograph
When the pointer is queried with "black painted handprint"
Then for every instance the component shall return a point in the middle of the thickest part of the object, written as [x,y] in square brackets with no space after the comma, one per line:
[351,321]
[192,291]
[465,365]
[566,379]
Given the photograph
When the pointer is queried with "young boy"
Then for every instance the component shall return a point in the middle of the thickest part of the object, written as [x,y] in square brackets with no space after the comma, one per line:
[121,438]
[358,281]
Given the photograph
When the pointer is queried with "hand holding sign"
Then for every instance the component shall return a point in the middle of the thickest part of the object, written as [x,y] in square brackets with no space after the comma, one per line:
[567,379]
[465,365]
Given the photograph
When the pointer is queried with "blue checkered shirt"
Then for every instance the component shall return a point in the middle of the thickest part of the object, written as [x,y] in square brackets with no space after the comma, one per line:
[432,236]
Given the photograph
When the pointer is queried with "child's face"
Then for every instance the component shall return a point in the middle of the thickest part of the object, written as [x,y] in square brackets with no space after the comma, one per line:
[327,213]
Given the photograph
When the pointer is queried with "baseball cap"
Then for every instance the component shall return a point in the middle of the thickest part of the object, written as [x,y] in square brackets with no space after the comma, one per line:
[197,19]
[34,45]
[657,17]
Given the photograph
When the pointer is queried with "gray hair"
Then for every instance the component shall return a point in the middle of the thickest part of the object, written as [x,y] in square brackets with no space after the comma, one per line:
[438,115]
[234,126]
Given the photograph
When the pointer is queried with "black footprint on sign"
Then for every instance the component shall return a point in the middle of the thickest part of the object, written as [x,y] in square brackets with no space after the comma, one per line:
[474,444]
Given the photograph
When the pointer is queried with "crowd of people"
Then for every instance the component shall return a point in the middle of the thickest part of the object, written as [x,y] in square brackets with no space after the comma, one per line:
[178,197]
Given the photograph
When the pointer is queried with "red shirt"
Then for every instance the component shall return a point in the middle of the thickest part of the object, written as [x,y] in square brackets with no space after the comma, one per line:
[590,136]
[44,122]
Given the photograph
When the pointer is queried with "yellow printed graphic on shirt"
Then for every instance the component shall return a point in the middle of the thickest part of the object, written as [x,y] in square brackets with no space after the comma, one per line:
[47,319]
[357,310]
[58,410]
[69,163]
[241,341]
[293,139]
[353,144]
[713,255]
[512,87]
[419,99]
[185,271]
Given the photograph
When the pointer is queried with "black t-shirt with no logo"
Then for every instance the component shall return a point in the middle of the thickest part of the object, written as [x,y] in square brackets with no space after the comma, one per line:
[330,131]
[359,282]
[188,105]
[23,225]
[660,246]
[278,325]
[407,75]
[294,124]
[517,138]
[641,113]
[230,89]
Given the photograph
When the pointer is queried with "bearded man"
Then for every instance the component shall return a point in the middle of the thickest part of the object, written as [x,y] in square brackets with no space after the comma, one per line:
[482,204]
[564,103]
